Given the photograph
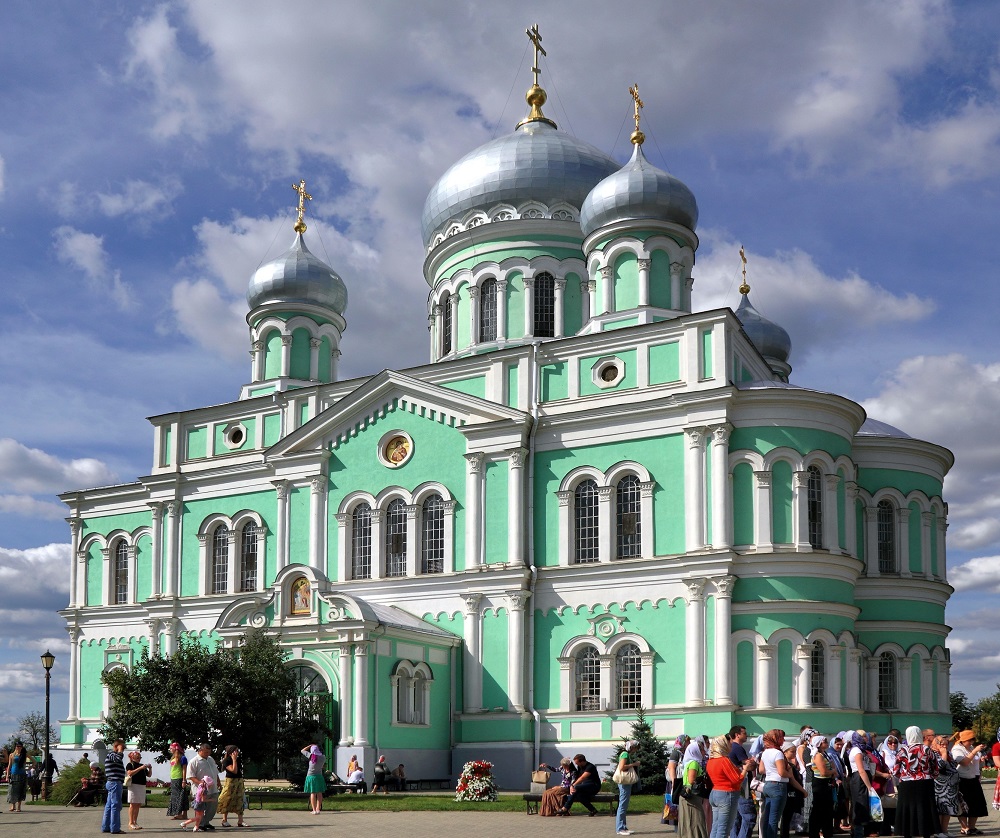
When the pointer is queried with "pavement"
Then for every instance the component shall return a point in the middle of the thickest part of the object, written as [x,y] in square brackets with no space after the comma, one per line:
[63,822]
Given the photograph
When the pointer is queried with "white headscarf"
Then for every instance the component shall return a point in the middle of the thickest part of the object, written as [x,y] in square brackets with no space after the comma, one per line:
[814,743]
[913,735]
[693,752]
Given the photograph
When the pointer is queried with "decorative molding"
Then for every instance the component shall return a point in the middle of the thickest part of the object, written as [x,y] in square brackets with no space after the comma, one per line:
[475,460]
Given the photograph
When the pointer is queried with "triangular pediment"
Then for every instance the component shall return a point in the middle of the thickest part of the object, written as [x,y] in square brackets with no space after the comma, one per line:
[391,390]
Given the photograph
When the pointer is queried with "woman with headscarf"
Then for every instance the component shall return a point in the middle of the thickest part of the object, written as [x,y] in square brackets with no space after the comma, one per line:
[824,775]
[139,772]
[231,798]
[675,774]
[861,759]
[915,768]
[726,782]
[626,761]
[947,797]
[552,799]
[178,806]
[315,784]
[690,811]
[966,755]
[777,773]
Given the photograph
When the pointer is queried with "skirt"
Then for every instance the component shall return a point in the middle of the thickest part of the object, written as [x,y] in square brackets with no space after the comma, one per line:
[231,799]
[315,784]
[691,821]
[137,794]
[972,792]
[916,809]
[552,801]
[178,798]
[16,789]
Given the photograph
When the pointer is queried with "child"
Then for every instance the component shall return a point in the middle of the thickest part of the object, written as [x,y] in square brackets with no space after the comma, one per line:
[201,789]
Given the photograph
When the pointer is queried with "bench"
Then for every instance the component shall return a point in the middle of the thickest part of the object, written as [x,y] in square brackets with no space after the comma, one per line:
[261,796]
[531,801]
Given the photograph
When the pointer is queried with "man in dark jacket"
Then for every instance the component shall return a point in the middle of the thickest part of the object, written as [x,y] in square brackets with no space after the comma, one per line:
[586,783]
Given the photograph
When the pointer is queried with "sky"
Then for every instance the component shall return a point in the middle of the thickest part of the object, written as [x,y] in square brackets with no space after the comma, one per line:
[147,152]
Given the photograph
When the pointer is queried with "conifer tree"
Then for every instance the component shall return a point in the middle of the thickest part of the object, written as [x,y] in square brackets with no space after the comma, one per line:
[651,754]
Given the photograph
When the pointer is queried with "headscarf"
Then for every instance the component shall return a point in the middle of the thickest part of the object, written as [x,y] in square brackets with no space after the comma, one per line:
[914,735]
[772,736]
[806,735]
[756,747]
[693,752]
[860,741]
[630,745]
[681,742]
[719,747]
[314,753]
[815,741]
[848,737]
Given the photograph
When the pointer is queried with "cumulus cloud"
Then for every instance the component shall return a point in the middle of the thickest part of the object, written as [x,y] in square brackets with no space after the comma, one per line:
[30,470]
[36,578]
[26,506]
[140,198]
[981,574]
[86,253]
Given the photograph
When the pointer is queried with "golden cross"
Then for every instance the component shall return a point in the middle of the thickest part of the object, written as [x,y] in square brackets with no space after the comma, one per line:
[744,288]
[300,225]
[536,38]
[634,90]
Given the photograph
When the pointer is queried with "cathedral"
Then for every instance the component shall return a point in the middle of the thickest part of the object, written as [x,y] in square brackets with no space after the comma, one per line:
[593,498]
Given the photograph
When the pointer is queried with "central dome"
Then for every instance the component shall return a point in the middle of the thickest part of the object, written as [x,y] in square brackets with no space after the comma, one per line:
[535,163]
[297,276]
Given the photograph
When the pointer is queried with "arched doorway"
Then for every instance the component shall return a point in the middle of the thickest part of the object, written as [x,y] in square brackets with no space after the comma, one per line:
[316,701]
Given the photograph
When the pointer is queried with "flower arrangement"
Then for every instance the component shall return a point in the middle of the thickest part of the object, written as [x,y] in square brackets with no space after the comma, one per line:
[476,782]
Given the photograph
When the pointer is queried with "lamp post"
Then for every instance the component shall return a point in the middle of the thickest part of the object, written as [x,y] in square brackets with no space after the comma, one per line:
[48,661]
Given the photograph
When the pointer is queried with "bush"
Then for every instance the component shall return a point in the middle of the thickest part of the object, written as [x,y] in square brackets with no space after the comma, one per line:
[68,784]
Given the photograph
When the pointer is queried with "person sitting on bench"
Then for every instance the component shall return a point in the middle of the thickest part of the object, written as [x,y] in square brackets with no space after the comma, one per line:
[356,781]
[586,783]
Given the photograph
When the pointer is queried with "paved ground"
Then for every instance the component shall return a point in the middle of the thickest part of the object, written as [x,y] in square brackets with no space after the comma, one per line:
[59,822]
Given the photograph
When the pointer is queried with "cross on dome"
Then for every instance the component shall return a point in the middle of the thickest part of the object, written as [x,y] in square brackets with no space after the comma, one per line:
[637,136]
[300,225]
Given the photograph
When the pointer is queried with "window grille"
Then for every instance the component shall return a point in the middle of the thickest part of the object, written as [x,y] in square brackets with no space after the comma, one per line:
[628,518]
[395,539]
[815,495]
[628,669]
[248,557]
[446,324]
[886,526]
[588,679]
[545,306]
[361,542]
[220,560]
[586,513]
[419,716]
[488,311]
[432,535]
[887,682]
[121,572]
[817,674]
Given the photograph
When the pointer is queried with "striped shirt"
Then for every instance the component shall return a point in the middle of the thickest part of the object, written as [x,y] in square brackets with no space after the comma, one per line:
[114,767]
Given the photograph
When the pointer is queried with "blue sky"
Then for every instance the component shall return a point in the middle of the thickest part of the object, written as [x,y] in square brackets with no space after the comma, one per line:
[147,152]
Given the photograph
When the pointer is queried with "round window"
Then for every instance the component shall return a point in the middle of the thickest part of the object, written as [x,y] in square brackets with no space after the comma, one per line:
[234,436]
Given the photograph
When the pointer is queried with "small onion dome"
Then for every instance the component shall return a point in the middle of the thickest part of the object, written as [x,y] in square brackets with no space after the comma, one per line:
[297,277]
[536,162]
[770,339]
[873,427]
[638,190]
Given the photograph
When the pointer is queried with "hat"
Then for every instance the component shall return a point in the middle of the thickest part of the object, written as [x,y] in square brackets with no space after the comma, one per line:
[966,736]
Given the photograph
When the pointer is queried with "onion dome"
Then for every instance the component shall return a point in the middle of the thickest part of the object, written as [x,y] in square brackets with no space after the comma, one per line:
[297,277]
[639,190]
[770,339]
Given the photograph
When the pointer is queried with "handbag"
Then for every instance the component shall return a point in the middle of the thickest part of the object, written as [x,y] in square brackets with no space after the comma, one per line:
[701,787]
[540,777]
[875,804]
[128,781]
[625,776]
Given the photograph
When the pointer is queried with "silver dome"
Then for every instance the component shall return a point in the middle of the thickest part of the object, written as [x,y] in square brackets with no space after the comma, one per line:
[873,427]
[638,190]
[297,277]
[534,163]
[770,339]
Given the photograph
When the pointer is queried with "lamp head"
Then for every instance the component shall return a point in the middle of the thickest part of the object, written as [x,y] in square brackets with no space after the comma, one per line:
[48,660]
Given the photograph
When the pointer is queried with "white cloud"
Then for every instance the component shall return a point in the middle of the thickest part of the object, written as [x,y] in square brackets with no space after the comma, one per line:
[86,253]
[32,470]
[208,319]
[140,198]
[26,506]
[33,579]
[981,574]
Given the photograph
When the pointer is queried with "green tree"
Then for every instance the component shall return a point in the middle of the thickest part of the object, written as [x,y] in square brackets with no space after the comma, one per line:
[651,754]
[243,696]
[963,711]
[31,731]
[987,720]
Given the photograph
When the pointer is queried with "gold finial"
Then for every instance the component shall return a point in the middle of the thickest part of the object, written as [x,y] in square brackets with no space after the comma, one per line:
[744,288]
[638,138]
[300,225]
[535,96]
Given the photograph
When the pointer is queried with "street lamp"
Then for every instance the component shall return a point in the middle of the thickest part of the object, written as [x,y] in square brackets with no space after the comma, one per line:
[48,661]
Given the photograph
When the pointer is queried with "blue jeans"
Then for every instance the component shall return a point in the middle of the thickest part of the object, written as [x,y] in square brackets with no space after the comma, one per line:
[723,812]
[773,798]
[112,820]
[746,818]
[624,795]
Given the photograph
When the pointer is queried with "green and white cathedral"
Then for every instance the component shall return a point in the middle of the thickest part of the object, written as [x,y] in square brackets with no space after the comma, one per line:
[594,498]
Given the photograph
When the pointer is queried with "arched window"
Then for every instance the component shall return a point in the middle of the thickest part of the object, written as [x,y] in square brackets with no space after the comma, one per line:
[404,693]
[419,715]
[121,573]
[588,679]
[545,306]
[220,560]
[586,522]
[628,676]
[446,324]
[248,557]
[432,535]
[627,514]
[815,501]
[817,674]
[395,539]
[886,536]
[488,311]
[361,542]
[887,681]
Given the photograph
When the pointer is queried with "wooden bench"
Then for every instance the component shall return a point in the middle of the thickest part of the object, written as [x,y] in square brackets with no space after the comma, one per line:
[261,796]
[531,801]
[431,784]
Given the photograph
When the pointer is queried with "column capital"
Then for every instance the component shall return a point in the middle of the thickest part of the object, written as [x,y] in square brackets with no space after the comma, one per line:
[559,283]
[280,488]
[529,281]
[411,511]
[926,518]
[871,664]
[905,664]
[766,651]
[518,599]
[647,657]
[591,285]
[286,340]
[904,515]
[605,493]
[474,292]
[721,433]
[174,508]
[516,457]
[851,488]
[154,625]
[724,586]
[585,286]
[835,651]
[800,479]
[564,498]
[676,268]
[156,510]
[607,272]
[74,633]
[695,437]
[643,264]
[646,489]
[475,461]
[436,310]
[502,284]
[361,649]
[831,481]
[928,664]
[75,524]
[106,552]
[472,602]
[854,656]
[566,664]
[203,538]
[377,515]
[871,514]
[804,650]
[256,346]
[81,555]
[763,479]
[319,484]
[695,590]
[343,517]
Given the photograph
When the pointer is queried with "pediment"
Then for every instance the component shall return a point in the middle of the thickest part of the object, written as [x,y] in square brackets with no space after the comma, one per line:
[389,391]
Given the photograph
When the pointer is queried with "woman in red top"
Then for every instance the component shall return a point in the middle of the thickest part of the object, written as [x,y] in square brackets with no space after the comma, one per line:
[726,782]
[915,769]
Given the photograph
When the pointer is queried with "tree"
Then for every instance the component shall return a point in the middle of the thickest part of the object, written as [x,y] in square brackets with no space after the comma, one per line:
[651,754]
[988,719]
[244,696]
[31,731]
[963,711]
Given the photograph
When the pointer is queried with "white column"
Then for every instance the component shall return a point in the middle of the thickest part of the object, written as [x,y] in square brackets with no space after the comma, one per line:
[475,463]
[643,281]
[800,511]
[723,640]
[803,676]
[434,327]
[474,326]
[646,685]
[173,548]
[567,531]
[317,522]
[676,272]
[281,528]
[854,660]
[378,543]
[694,643]
[412,542]
[904,686]
[74,673]
[903,541]
[343,546]
[607,289]
[256,361]
[688,288]
[286,355]
[762,512]
[851,518]
[833,677]
[362,695]
[171,628]
[334,363]
[567,684]
[766,676]
[944,686]
[75,526]
[107,577]
[154,637]
[156,511]
[472,665]
[453,302]
[925,542]
[449,536]
[231,580]
[606,663]
[926,686]
[721,489]
[585,300]
[871,672]
[694,489]
[515,505]
[592,310]
[560,303]
[516,601]
[831,521]
[871,540]
[646,509]
[501,309]
[529,306]
[346,695]
[606,528]
[314,345]
[942,529]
